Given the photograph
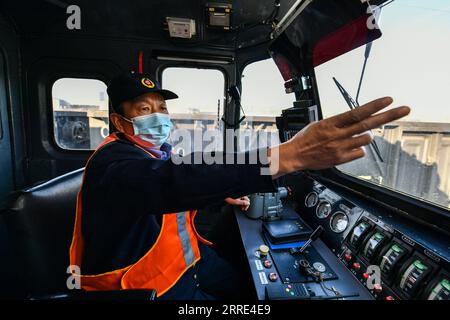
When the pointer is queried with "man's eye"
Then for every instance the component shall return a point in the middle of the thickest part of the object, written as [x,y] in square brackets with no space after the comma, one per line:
[145,109]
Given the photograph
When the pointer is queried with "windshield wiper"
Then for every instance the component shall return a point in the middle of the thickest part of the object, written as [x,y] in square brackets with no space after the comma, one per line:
[377,14]
[352,104]
[366,58]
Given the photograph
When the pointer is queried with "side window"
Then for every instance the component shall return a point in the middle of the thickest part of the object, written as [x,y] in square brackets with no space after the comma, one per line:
[263,97]
[198,109]
[80,113]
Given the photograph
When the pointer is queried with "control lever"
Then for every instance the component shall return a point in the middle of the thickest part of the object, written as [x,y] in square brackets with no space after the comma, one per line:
[314,236]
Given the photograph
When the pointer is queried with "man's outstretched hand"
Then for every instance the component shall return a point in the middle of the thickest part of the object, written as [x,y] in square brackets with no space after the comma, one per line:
[333,141]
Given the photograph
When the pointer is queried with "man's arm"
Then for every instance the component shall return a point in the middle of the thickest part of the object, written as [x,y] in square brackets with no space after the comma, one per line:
[138,184]
[157,187]
[333,141]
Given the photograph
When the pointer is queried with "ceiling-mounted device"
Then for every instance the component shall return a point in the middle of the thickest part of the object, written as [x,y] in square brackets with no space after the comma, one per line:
[218,15]
[181,27]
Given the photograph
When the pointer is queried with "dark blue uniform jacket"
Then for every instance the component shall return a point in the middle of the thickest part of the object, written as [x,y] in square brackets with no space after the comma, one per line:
[126,192]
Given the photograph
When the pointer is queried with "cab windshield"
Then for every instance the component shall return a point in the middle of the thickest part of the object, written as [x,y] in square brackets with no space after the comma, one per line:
[410,63]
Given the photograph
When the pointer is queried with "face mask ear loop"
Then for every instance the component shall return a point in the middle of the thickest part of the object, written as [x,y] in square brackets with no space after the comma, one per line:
[126,119]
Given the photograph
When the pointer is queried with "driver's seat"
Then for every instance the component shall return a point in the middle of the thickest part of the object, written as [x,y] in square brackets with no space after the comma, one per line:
[39,225]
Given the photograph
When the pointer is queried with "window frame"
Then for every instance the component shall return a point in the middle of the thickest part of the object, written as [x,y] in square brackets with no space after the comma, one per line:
[193,65]
[45,159]
[250,62]
[52,82]
[160,71]
[247,63]
[405,205]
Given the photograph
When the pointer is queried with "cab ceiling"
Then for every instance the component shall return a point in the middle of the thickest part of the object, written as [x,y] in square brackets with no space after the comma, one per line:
[142,19]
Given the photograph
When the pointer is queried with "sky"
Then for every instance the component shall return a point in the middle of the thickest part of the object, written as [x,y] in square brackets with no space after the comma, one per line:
[81,92]
[262,89]
[197,88]
[410,63]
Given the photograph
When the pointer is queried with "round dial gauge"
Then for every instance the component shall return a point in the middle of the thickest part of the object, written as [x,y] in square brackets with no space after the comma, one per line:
[319,266]
[339,222]
[323,210]
[311,199]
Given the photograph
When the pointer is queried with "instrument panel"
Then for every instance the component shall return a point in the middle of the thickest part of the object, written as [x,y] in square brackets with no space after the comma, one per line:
[388,261]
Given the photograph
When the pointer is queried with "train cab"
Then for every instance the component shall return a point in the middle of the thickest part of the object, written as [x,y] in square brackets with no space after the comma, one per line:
[148,148]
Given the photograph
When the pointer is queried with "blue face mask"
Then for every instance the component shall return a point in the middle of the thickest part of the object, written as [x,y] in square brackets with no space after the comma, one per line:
[154,128]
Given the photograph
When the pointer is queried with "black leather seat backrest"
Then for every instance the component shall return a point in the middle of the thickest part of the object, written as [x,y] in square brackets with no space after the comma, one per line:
[39,225]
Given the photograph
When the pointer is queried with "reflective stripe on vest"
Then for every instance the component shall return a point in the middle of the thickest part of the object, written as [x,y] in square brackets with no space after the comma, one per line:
[173,253]
[188,252]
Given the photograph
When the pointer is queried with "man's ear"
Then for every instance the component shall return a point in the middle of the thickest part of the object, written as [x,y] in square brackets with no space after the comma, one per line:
[116,120]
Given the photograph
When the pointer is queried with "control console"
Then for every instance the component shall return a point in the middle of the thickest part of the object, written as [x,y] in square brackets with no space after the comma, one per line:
[391,258]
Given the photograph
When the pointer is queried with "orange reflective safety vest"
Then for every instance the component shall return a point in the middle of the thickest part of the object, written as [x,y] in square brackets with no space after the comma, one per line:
[174,252]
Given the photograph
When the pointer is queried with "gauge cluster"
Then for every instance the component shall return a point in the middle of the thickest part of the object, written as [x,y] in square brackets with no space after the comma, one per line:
[326,208]
[388,262]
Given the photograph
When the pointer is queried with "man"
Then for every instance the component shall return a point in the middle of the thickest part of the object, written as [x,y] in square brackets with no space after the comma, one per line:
[135,213]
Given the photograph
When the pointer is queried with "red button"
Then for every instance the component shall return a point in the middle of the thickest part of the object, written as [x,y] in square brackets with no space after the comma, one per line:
[377,287]
[348,257]
[356,266]
[390,298]
[366,276]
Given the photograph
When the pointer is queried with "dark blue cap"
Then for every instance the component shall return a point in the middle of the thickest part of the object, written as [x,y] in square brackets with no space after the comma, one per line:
[132,85]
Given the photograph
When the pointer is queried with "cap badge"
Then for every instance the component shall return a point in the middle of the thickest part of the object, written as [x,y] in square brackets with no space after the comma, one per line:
[148,83]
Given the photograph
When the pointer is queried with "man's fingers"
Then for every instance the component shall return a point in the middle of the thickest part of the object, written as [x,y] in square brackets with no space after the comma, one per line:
[356,142]
[352,155]
[242,202]
[360,113]
[376,121]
